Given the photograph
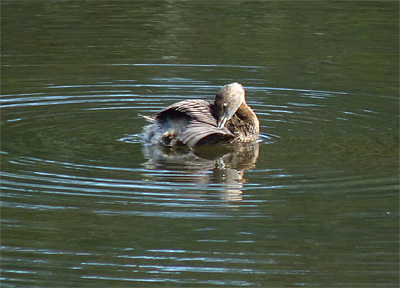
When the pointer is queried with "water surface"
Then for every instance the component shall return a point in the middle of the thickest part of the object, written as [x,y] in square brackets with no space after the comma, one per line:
[85,204]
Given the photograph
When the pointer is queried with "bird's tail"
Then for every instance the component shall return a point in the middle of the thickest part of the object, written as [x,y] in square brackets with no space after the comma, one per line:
[148,118]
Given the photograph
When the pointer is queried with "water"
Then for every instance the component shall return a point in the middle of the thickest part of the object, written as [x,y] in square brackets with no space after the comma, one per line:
[313,203]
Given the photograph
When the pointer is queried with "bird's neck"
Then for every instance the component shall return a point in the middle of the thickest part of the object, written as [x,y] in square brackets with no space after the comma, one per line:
[246,113]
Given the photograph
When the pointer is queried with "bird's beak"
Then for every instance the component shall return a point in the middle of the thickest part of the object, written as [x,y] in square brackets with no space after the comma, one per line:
[222,121]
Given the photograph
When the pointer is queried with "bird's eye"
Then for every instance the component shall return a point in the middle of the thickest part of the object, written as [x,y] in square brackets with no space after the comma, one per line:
[224,105]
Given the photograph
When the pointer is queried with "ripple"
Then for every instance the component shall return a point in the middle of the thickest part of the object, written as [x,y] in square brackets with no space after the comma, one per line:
[111,189]
[132,139]
[72,157]
[186,65]
[272,104]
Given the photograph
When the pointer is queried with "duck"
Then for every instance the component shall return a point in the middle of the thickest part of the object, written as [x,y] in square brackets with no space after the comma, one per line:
[227,119]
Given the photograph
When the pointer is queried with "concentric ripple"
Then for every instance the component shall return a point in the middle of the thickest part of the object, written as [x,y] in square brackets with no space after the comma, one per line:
[78,184]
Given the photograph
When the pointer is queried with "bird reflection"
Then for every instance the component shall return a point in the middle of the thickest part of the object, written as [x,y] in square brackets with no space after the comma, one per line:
[207,164]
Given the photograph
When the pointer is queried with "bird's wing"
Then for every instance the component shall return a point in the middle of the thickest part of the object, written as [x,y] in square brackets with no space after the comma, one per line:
[201,126]
[197,132]
[198,110]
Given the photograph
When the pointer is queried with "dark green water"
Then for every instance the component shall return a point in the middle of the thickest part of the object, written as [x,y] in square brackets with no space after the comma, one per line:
[84,204]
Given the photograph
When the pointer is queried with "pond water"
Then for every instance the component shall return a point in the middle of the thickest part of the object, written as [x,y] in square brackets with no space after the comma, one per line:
[313,203]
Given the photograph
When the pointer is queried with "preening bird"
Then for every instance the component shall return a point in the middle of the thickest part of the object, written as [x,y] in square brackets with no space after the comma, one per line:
[227,119]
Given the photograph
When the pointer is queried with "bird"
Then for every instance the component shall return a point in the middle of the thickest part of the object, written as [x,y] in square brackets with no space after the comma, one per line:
[228,119]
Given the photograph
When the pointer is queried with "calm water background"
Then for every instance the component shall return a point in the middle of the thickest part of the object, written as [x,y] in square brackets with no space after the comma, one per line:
[85,204]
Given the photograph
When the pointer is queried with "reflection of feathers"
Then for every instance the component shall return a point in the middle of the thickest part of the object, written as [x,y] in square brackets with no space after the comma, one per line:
[227,164]
[240,157]
[187,122]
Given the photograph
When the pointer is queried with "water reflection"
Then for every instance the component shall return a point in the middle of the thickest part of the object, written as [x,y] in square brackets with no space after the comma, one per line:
[208,164]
